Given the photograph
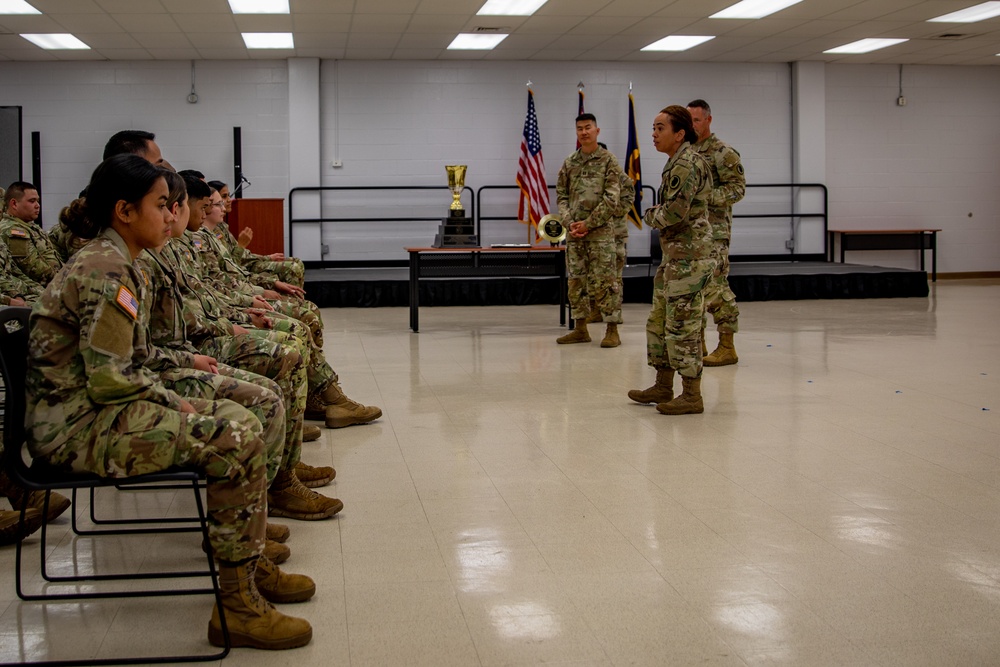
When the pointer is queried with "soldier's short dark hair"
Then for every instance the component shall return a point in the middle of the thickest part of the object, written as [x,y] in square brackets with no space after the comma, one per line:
[700,104]
[16,190]
[128,142]
[681,121]
[216,185]
[587,116]
[196,188]
[192,172]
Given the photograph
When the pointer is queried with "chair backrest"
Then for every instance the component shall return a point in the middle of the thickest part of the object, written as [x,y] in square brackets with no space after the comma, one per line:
[14,366]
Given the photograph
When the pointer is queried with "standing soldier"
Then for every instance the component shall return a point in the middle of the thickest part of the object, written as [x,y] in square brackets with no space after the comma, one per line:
[673,330]
[729,188]
[588,190]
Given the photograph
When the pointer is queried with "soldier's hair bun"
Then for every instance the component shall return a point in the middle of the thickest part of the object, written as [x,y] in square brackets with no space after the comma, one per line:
[74,216]
[119,178]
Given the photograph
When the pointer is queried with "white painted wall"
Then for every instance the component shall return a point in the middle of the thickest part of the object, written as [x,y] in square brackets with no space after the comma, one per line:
[398,123]
[929,164]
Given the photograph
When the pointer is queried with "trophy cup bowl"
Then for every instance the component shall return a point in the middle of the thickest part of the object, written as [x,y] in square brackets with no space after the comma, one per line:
[550,228]
[456,181]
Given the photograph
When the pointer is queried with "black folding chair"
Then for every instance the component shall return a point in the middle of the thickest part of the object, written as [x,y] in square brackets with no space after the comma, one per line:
[13,364]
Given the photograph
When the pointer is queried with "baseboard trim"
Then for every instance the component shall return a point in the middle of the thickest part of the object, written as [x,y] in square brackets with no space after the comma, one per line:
[968,275]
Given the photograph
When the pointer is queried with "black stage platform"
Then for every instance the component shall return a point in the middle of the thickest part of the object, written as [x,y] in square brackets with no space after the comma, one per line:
[751,281]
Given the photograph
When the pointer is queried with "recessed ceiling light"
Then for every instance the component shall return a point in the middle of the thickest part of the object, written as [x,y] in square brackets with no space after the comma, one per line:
[268,40]
[987,10]
[55,40]
[259,6]
[473,42]
[677,42]
[510,7]
[753,9]
[16,7]
[866,45]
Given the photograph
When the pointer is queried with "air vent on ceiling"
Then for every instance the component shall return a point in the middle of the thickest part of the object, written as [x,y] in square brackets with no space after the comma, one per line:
[952,36]
[482,28]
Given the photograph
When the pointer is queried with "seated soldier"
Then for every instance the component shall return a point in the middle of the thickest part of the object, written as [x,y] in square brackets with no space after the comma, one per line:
[34,257]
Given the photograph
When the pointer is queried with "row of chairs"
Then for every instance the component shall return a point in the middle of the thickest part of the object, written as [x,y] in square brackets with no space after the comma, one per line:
[35,477]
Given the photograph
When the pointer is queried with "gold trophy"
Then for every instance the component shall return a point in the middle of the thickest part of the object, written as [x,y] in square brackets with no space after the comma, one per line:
[456,181]
[456,231]
[550,228]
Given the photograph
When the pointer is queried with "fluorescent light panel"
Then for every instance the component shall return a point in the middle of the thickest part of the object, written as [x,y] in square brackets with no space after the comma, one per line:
[753,9]
[16,7]
[677,43]
[866,45]
[510,7]
[259,6]
[987,10]
[476,42]
[55,40]
[268,40]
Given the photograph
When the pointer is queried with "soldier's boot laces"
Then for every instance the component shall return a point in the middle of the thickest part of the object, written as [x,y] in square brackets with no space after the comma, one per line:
[253,621]
[277,532]
[611,338]
[314,477]
[280,587]
[288,497]
[19,497]
[311,432]
[579,334]
[661,392]
[688,403]
[341,411]
[10,530]
[725,354]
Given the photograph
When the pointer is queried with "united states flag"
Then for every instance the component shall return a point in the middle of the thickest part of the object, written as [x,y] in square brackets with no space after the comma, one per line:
[531,171]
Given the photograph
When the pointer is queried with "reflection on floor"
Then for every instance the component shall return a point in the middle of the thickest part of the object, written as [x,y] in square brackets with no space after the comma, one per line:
[837,504]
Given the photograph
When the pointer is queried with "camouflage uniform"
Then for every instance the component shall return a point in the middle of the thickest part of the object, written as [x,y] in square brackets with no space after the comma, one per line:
[29,246]
[253,386]
[93,406]
[728,188]
[12,283]
[673,330]
[588,189]
[626,199]
[291,270]
[64,242]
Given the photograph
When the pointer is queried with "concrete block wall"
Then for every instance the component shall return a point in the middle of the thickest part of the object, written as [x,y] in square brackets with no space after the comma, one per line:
[930,164]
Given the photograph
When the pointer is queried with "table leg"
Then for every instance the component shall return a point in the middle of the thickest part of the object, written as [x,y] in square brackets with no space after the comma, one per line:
[414,291]
[933,257]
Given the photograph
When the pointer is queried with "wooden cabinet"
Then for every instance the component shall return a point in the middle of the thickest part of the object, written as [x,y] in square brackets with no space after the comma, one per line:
[267,219]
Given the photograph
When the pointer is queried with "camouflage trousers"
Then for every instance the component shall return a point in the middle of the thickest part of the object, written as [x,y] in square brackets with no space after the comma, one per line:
[305,312]
[719,298]
[291,270]
[271,355]
[591,277]
[673,330]
[223,439]
[318,371]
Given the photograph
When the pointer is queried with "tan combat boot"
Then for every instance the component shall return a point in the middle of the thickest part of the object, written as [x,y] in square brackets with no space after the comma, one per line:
[725,354]
[9,525]
[276,552]
[313,477]
[611,338]
[579,334]
[288,497]
[276,532]
[19,496]
[311,432]
[253,621]
[661,392]
[341,411]
[688,403]
[281,587]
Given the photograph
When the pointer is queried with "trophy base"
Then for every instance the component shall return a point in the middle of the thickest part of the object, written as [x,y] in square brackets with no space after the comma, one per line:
[456,231]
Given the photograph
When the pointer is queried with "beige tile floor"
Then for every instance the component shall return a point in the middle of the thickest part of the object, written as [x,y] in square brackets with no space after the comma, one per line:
[837,504]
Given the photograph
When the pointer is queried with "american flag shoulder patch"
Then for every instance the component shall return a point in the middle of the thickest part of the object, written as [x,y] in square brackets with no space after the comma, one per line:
[15,231]
[197,243]
[218,235]
[127,301]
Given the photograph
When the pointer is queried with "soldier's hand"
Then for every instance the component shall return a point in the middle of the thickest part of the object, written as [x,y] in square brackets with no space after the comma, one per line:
[246,235]
[261,304]
[271,294]
[187,407]
[578,229]
[203,362]
[260,320]
[291,290]
[17,301]
[276,257]
[239,331]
